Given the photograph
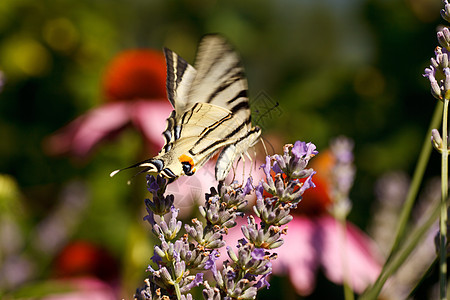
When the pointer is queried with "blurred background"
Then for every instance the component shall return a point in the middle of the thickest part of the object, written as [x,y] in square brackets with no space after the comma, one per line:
[316,70]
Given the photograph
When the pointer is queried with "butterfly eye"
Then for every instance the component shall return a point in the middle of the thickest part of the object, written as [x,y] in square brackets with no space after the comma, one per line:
[187,168]
[188,164]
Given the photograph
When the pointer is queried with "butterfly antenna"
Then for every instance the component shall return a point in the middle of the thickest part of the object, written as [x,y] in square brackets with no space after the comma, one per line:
[139,164]
[140,172]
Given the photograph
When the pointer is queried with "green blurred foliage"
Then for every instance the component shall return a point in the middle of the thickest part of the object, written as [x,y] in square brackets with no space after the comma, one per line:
[334,67]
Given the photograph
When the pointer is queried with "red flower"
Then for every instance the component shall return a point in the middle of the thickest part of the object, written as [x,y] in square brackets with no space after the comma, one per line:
[81,259]
[135,74]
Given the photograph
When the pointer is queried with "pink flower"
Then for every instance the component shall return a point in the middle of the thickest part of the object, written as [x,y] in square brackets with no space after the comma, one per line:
[81,288]
[134,91]
[313,242]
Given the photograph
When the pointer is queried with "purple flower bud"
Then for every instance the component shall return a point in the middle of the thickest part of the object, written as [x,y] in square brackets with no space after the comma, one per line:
[263,282]
[249,293]
[445,12]
[444,37]
[435,88]
[211,293]
[152,184]
[165,275]
[198,279]
[211,263]
[442,60]
[231,254]
[258,254]
[159,252]
[436,139]
[308,183]
[187,296]
[276,244]
[179,269]
[248,186]
[150,217]
[447,83]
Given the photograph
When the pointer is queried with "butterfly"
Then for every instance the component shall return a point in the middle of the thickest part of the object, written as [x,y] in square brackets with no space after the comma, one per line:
[211,112]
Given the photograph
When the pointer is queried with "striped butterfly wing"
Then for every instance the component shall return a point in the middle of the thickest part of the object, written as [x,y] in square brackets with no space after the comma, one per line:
[200,137]
[211,111]
[220,78]
[221,81]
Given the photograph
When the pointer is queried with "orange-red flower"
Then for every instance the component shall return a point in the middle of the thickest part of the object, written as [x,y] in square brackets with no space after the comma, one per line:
[81,259]
[135,74]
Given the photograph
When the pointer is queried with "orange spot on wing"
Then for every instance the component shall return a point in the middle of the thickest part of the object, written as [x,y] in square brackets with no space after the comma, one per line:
[185,158]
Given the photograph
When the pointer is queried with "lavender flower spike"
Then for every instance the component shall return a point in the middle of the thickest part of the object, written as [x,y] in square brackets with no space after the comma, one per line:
[246,271]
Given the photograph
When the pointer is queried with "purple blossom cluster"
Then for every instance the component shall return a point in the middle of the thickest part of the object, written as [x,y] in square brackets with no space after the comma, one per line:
[179,260]
[438,73]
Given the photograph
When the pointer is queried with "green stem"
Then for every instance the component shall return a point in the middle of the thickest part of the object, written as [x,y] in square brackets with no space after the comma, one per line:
[177,290]
[417,179]
[372,292]
[348,292]
[402,254]
[443,219]
[176,285]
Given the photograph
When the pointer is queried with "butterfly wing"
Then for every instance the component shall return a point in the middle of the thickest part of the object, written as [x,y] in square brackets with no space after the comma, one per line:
[201,135]
[220,78]
[211,111]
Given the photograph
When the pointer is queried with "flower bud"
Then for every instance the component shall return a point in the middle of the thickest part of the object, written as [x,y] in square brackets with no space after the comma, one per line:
[436,139]
[445,12]
[443,37]
[179,269]
[165,275]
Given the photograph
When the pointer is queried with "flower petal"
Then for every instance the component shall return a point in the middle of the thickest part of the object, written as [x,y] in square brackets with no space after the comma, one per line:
[82,134]
[150,117]
[297,256]
[355,249]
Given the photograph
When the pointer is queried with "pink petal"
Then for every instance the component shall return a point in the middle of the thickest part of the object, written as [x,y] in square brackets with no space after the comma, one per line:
[352,253]
[297,256]
[83,288]
[82,134]
[150,117]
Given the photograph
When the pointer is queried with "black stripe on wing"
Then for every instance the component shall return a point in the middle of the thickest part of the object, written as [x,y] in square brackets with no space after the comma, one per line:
[168,133]
[222,49]
[170,78]
[176,69]
[226,84]
[229,138]
[241,94]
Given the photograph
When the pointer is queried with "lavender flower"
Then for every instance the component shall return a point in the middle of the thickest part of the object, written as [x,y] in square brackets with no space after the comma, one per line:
[439,73]
[160,204]
[342,176]
[246,271]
